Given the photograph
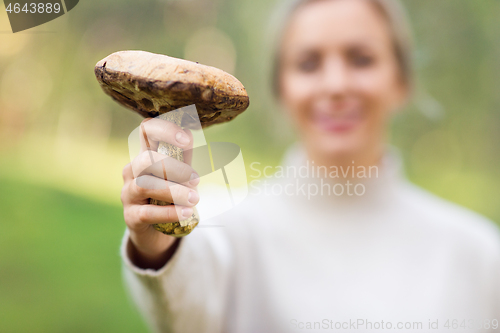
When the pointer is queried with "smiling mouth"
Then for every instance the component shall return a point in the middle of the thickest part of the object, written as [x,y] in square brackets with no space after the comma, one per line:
[337,121]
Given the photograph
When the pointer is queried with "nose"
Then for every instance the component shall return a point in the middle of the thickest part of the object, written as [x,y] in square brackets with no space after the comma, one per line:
[335,78]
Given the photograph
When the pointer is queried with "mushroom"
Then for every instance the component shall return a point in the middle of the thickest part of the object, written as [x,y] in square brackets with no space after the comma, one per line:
[154,85]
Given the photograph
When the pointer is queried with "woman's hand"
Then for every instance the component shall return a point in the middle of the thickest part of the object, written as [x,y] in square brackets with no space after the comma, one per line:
[144,179]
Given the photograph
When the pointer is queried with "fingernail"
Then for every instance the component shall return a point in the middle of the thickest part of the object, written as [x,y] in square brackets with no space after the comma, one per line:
[195,179]
[187,212]
[193,197]
[182,138]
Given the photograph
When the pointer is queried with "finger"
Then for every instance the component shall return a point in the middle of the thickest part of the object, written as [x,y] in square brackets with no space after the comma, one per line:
[146,187]
[145,160]
[153,214]
[127,172]
[146,143]
[154,130]
[188,151]
[188,159]
[164,167]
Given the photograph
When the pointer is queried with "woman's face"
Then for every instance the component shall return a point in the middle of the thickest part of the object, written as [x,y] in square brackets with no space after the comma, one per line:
[339,77]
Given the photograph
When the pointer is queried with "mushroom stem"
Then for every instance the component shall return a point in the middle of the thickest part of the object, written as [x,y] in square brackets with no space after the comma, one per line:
[166,148]
[184,227]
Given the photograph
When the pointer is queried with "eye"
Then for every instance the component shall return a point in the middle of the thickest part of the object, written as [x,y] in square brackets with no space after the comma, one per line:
[360,59]
[308,64]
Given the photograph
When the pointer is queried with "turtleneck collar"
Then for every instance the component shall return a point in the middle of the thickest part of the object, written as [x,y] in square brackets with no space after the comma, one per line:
[303,181]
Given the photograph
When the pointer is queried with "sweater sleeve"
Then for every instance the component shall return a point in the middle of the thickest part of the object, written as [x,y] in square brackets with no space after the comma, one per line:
[189,293]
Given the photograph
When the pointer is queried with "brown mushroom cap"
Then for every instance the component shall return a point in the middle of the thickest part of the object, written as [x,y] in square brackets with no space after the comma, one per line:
[152,84]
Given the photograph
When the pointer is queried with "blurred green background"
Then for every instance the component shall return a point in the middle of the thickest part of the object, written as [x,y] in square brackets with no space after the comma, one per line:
[63,143]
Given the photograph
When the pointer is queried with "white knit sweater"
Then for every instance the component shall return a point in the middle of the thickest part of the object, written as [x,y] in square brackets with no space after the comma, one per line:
[395,259]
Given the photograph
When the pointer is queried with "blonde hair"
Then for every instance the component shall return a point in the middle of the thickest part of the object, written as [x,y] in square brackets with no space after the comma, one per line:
[392,10]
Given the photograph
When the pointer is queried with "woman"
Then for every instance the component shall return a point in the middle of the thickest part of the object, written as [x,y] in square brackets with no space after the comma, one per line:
[386,256]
